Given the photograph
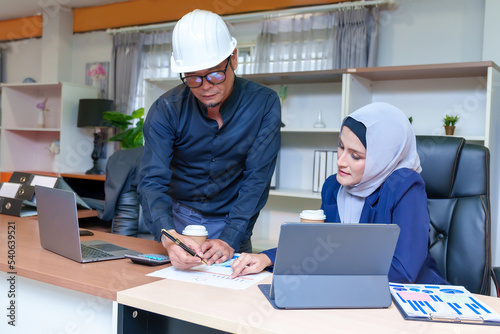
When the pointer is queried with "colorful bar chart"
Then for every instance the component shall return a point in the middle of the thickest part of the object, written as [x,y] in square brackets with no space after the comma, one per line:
[441,303]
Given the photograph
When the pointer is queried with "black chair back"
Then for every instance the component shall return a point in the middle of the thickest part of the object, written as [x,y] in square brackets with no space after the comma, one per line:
[122,201]
[456,176]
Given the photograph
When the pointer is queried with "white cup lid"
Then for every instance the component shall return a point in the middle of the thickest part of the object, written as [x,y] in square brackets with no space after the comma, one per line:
[312,215]
[195,230]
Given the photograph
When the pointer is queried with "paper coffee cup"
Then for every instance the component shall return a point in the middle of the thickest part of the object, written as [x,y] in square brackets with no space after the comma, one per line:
[197,232]
[312,216]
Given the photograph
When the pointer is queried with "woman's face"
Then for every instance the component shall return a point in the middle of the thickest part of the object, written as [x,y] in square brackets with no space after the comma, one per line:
[351,158]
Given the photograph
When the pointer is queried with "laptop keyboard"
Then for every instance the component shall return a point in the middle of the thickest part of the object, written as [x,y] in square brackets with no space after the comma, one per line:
[93,253]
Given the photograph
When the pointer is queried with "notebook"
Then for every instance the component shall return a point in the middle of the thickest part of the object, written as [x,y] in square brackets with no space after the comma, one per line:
[59,231]
[328,265]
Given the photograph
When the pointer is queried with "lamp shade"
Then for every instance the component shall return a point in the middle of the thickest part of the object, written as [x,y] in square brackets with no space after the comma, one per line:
[90,112]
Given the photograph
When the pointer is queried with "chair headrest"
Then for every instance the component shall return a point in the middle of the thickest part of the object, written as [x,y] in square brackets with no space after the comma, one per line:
[473,172]
[439,160]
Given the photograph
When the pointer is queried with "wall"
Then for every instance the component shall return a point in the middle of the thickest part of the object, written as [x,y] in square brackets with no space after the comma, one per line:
[426,32]
[418,32]
[91,47]
[23,60]
[491,46]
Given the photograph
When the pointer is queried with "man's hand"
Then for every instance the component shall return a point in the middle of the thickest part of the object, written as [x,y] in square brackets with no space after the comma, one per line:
[250,264]
[216,251]
[178,256]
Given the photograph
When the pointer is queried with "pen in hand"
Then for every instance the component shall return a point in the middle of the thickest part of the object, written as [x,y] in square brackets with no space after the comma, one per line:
[181,244]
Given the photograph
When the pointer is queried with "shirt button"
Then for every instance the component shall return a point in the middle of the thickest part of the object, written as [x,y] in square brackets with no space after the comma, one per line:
[211,180]
[213,159]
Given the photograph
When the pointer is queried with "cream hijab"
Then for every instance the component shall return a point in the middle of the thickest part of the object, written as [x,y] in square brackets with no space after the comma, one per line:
[390,145]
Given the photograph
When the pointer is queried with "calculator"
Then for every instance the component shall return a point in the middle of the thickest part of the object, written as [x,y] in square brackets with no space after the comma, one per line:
[149,259]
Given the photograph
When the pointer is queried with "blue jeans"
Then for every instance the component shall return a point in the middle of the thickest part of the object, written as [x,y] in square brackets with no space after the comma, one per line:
[183,216]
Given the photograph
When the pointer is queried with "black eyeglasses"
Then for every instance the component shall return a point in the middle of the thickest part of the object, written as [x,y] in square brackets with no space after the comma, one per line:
[215,78]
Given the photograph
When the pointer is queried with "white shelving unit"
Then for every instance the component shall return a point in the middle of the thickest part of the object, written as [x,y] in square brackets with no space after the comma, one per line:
[24,146]
[424,92]
[428,93]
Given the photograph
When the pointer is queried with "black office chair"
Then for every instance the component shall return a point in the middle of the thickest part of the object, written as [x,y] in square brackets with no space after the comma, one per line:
[457,176]
[121,199]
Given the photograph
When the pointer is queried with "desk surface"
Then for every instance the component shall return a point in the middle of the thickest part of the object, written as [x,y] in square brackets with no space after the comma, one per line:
[248,311]
[5,176]
[95,177]
[103,279]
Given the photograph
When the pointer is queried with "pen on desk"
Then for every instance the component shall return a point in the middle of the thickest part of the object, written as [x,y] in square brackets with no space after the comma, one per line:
[181,244]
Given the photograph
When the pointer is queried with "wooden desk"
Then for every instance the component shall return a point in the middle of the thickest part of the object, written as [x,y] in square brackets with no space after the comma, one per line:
[248,311]
[86,185]
[83,176]
[103,279]
[56,292]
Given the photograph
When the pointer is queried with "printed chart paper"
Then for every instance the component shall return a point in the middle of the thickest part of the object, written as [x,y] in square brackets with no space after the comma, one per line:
[441,303]
[214,275]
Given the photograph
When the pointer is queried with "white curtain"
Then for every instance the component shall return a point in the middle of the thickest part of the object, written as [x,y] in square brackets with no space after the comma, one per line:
[155,61]
[127,59]
[310,42]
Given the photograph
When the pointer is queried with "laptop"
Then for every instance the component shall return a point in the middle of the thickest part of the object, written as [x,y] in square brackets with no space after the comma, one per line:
[59,231]
[328,265]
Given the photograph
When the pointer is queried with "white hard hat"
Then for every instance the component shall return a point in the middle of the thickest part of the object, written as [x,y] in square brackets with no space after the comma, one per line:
[200,40]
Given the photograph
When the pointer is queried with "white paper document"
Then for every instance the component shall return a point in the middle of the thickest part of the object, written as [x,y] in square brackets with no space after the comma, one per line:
[441,303]
[46,181]
[9,189]
[214,275]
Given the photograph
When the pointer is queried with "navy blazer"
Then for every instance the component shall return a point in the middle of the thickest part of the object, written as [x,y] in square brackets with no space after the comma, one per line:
[401,200]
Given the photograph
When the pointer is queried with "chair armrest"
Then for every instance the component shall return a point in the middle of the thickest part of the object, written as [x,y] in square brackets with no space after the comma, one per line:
[495,275]
[126,219]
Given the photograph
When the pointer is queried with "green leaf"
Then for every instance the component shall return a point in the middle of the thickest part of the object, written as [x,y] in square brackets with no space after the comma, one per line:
[130,135]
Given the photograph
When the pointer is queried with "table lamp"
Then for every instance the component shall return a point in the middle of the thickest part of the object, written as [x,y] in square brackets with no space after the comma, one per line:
[90,112]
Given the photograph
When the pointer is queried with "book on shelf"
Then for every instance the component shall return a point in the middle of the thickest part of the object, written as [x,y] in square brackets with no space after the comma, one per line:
[325,164]
[275,178]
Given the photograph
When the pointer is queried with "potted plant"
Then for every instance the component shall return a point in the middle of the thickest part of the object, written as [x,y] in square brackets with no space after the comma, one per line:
[449,124]
[130,126]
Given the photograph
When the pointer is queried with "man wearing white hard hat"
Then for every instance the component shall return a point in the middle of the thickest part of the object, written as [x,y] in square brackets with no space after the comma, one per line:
[211,145]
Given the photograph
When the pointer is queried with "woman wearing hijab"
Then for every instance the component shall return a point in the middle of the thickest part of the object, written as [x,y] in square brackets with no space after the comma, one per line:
[378,181]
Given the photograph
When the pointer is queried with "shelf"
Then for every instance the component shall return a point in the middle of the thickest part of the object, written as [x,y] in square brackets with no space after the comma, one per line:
[295,193]
[433,71]
[164,84]
[472,138]
[25,146]
[31,86]
[311,130]
[259,245]
[33,129]
[296,77]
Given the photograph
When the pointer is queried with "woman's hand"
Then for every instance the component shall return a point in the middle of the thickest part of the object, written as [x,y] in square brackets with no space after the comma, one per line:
[250,264]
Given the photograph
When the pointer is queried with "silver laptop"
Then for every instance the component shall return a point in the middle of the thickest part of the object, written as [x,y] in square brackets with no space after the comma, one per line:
[329,265]
[59,231]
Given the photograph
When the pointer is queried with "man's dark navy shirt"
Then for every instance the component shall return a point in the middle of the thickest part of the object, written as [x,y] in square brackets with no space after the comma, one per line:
[215,171]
